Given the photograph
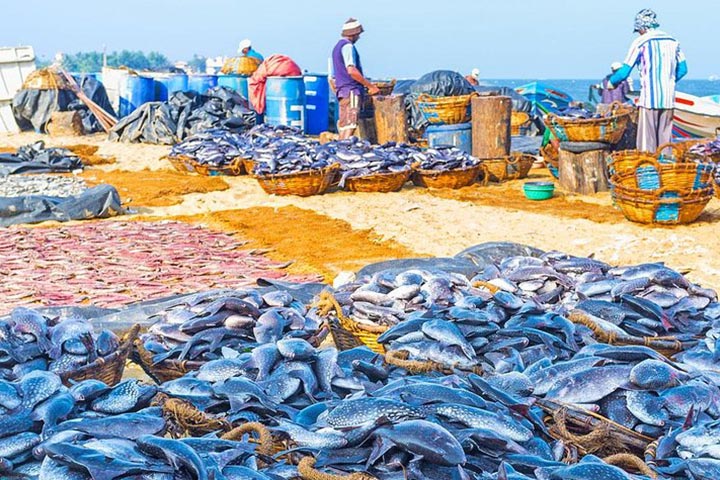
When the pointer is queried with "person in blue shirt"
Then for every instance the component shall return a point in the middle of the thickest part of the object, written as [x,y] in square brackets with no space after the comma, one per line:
[661,63]
[246,50]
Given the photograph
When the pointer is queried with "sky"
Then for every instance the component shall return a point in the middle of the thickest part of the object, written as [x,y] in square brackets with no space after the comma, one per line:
[403,38]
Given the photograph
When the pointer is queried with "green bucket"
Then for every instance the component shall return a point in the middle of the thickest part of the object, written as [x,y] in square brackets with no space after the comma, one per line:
[538,190]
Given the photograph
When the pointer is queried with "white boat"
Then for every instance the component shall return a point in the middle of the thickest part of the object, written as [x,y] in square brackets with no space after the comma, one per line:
[696,117]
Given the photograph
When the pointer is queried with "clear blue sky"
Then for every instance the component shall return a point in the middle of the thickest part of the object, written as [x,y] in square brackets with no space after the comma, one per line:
[404,38]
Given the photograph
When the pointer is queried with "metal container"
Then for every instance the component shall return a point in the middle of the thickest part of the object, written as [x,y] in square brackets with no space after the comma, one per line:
[459,136]
[317,103]
[285,101]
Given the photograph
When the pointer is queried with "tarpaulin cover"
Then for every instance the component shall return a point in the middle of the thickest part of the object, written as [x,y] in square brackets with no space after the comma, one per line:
[32,107]
[440,83]
[457,265]
[582,147]
[489,253]
[519,103]
[98,202]
[185,114]
[526,144]
[35,158]
[273,66]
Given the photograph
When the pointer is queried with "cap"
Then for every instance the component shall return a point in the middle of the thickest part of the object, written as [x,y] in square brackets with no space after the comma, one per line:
[475,73]
[646,19]
[244,44]
[352,27]
[615,66]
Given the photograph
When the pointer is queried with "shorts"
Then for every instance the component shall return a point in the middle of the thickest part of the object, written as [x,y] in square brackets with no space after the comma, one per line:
[349,112]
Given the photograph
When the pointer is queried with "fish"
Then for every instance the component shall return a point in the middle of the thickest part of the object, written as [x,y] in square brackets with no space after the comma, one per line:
[363,411]
[590,385]
[178,454]
[124,397]
[321,439]
[422,439]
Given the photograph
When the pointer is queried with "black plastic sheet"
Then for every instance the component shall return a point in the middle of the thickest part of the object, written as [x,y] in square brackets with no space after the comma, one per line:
[441,264]
[185,114]
[35,158]
[492,253]
[102,201]
[526,144]
[440,83]
[582,147]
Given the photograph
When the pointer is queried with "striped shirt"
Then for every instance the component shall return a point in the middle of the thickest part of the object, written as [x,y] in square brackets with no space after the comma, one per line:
[657,56]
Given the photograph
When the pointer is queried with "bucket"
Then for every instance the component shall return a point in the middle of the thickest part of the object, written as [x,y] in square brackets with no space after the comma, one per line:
[285,101]
[317,103]
[136,91]
[459,135]
[202,83]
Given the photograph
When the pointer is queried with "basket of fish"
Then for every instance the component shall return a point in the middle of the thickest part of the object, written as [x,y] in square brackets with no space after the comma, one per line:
[385,87]
[445,110]
[248,165]
[213,324]
[68,347]
[370,168]
[213,152]
[578,125]
[511,167]
[383,182]
[232,168]
[302,183]
[446,167]
[709,150]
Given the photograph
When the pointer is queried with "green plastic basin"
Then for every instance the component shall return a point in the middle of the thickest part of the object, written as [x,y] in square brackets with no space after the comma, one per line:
[538,190]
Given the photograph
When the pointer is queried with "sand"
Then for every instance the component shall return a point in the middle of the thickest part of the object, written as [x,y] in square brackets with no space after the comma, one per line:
[416,221]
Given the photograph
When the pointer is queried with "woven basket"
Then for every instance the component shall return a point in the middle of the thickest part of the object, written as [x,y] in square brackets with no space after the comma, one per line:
[607,129]
[232,169]
[302,184]
[663,206]
[458,178]
[248,165]
[108,369]
[386,88]
[445,110]
[647,174]
[348,333]
[240,65]
[520,164]
[181,163]
[306,471]
[551,155]
[379,182]
[519,123]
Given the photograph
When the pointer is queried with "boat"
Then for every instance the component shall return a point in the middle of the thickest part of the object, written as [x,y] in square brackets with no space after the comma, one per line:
[696,117]
[544,98]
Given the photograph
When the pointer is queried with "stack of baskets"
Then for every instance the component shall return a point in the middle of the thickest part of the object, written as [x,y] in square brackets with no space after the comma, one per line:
[660,189]
[445,110]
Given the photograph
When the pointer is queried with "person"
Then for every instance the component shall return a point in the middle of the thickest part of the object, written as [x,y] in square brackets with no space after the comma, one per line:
[616,94]
[246,50]
[661,63]
[474,77]
[349,82]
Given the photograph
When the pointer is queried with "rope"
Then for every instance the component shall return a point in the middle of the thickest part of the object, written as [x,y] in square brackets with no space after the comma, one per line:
[186,418]
[481,283]
[264,439]
[623,460]
[307,472]
[592,442]
[399,358]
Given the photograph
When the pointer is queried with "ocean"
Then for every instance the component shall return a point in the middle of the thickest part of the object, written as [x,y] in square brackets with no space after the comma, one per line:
[579,89]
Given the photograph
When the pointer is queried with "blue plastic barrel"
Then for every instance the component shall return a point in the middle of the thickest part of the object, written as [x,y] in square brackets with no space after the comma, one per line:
[166,85]
[317,103]
[459,136]
[136,91]
[202,83]
[285,101]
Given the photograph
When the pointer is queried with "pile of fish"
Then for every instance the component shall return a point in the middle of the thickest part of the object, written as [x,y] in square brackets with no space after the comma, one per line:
[706,148]
[41,184]
[36,158]
[32,342]
[115,263]
[211,325]
[577,113]
[445,158]
[216,147]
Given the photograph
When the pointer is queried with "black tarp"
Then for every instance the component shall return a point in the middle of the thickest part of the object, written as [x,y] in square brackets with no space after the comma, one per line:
[440,83]
[98,202]
[492,253]
[32,108]
[441,264]
[184,114]
[35,158]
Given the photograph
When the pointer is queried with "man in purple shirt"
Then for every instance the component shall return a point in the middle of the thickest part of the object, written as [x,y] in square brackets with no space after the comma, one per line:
[617,94]
[349,81]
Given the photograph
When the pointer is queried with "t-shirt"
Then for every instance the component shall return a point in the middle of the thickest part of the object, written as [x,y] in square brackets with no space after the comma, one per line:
[349,55]
[657,55]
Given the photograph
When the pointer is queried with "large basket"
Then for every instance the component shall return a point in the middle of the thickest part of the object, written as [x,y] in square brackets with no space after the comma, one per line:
[520,164]
[346,332]
[663,206]
[458,178]
[233,169]
[385,87]
[511,167]
[445,110]
[647,174]
[519,123]
[379,182]
[108,369]
[302,184]
[248,165]
[608,129]
[240,65]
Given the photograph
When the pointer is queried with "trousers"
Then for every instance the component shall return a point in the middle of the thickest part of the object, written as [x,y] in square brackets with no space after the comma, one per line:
[654,128]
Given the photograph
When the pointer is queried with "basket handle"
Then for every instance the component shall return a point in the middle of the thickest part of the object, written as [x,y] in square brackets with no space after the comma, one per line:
[424,97]
[653,162]
[674,147]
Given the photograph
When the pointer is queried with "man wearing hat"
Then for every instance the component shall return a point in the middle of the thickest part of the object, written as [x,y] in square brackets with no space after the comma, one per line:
[246,50]
[615,94]
[474,77]
[349,82]
[661,63]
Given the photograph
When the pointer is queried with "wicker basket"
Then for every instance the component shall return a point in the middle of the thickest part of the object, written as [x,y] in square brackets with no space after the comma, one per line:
[108,369]
[248,165]
[458,178]
[519,123]
[181,163]
[386,88]
[302,184]
[348,333]
[663,206]
[240,65]
[445,110]
[607,129]
[520,164]
[379,182]
[647,174]
[551,155]
[233,169]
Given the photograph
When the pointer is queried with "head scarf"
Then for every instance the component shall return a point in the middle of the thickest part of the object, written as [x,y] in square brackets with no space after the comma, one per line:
[352,27]
[646,19]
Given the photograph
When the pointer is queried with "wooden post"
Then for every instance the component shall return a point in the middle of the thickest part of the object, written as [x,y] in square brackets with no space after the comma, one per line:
[491,126]
[583,173]
[390,119]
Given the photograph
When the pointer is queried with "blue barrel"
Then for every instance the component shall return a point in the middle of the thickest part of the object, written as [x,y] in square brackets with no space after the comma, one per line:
[459,136]
[202,83]
[285,101]
[239,83]
[166,85]
[317,103]
[137,90]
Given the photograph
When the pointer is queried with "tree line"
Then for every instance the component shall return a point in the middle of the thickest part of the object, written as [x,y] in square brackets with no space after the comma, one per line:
[87,62]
